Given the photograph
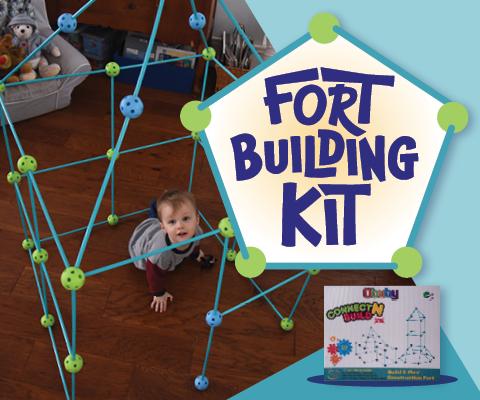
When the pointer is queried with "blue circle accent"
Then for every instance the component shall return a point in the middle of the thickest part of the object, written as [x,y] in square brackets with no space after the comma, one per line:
[67,23]
[131,106]
[197,21]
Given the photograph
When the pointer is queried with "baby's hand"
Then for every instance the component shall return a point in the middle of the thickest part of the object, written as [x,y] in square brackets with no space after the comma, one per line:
[159,303]
[206,261]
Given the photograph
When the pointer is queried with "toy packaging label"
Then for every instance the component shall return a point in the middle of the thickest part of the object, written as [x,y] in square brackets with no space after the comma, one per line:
[382,333]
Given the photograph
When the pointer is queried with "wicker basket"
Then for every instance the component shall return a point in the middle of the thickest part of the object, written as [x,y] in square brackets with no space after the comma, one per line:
[223,79]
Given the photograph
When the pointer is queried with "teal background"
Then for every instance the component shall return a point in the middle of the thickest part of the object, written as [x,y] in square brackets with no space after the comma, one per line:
[437,42]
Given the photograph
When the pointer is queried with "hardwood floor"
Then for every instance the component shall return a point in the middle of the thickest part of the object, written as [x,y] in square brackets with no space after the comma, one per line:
[131,352]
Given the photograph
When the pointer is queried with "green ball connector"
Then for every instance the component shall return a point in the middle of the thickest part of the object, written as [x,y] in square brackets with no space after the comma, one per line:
[314,272]
[110,154]
[112,69]
[287,324]
[226,229]
[112,219]
[209,53]
[47,320]
[27,244]
[231,254]
[73,365]
[72,278]
[196,136]
[27,163]
[2,87]
[14,177]
[40,256]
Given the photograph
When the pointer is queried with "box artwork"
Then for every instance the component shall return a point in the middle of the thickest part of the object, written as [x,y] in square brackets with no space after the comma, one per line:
[382,333]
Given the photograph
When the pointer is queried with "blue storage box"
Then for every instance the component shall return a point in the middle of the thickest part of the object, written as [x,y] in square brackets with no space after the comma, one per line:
[162,76]
[98,42]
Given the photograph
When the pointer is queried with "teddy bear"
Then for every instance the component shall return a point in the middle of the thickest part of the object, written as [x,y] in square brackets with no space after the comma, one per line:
[10,57]
[26,36]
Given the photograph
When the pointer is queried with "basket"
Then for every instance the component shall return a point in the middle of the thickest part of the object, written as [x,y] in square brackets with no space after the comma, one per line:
[223,79]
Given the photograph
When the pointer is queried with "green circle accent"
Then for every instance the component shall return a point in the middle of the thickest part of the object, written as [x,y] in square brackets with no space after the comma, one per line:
[287,324]
[196,136]
[47,320]
[209,53]
[28,244]
[27,163]
[110,154]
[409,262]
[2,87]
[72,278]
[231,254]
[226,228]
[73,365]
[112,69]
[40,256]
[112,219]
[253,266]
[193,119]
[321,27]
[453,113]
[314,272]
[14,177]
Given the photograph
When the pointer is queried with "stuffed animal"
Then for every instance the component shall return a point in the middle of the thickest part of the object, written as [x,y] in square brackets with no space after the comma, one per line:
[10,57]
[26,36]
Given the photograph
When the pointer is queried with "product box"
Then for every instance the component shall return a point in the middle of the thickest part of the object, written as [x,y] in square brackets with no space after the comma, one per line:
[166,53]
[136,45]
[382,333]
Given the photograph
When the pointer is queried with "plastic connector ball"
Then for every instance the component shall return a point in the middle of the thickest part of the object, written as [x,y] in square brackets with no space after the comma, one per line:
[28,244]
[208,54]
[40,256]
[231,254]
[112,219]
[197,21]
[226,229]
[67,23]
[196,136]
[27,163]
[72,278]
[286,324]
[213,318]
[112,69]
[314,272]
[14,177]
[201,383]
[47,320]
[73,365]
[2,87]
[131,106]
[110,154]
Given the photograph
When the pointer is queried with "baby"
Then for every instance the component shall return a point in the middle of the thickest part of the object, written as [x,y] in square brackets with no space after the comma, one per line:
[173,219]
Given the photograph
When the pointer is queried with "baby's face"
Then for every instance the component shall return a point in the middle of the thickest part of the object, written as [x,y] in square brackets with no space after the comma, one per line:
[180,224]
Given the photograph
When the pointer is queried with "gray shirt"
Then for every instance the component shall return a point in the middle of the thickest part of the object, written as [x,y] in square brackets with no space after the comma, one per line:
[149,236]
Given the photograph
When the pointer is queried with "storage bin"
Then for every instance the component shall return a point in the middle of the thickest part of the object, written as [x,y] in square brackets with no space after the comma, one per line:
[99,43]
[162,76]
